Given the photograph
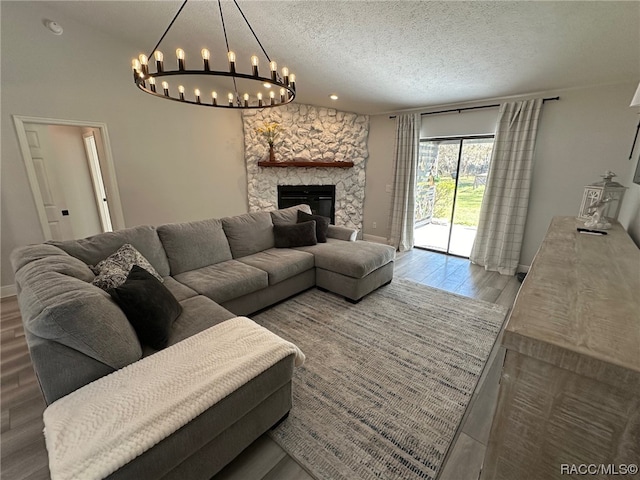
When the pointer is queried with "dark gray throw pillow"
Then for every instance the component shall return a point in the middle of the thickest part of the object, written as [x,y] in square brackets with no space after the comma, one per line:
[296,235]
[149,306]
[322,224]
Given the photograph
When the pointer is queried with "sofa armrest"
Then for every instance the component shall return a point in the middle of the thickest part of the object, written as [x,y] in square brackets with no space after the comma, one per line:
[342,233]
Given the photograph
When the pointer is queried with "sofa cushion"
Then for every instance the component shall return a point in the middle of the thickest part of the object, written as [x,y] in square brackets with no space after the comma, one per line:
[249,233]
[178,290]
[198,314]
[353,259]
[98,247]
[114,270]
[149,306]
[77,314]
[194,245]
[288,216]
[280,264]
[225,281]
[298,235]
[322,224]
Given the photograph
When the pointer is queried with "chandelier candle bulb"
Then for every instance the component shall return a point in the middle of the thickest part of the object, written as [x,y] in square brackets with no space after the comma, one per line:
[144,62]
[135,66]
[232,62]
[272,96]
[259,99]
[246,100]
[231,99]
[159,61]
[181,92]
[152,84]
[165,87]
[206,55]
[180,55]
[282,94]
[254,65]
[292,81]
[273,66]
[197,92]
[214,98]
[285,75]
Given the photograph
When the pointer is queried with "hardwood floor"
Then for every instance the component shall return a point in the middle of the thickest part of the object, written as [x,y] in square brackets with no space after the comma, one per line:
[23,454]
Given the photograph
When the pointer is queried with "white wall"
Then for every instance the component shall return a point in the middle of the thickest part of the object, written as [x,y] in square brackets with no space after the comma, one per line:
[630,211]
[586,132]
[173,162]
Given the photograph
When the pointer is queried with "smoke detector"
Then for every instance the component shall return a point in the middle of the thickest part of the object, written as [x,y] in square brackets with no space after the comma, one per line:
[53,27]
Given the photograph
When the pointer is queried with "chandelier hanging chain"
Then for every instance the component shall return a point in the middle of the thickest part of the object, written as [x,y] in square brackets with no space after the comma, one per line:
[251,28]
[226,41]
[145,79]
[168,28]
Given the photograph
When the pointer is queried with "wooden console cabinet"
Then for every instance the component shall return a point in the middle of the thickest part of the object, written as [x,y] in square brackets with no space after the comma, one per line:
[570,385]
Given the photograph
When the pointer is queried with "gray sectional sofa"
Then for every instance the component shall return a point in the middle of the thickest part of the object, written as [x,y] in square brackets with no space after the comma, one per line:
[217,269]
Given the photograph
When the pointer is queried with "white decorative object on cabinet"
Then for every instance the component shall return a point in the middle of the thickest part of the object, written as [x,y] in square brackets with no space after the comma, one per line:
[602,191]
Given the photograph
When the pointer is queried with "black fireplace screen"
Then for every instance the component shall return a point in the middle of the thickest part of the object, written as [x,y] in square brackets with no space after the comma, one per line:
[321,198]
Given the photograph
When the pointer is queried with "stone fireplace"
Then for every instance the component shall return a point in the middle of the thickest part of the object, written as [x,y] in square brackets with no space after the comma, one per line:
[310,134]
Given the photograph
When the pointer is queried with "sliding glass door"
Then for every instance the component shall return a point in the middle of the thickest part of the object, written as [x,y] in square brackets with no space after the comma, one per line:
[452,174]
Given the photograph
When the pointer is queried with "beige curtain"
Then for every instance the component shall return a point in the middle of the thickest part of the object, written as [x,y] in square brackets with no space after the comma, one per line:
[506,199]
[405,160]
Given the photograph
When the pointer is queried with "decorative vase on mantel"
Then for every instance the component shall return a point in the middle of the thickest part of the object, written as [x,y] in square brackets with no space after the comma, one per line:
[272,154]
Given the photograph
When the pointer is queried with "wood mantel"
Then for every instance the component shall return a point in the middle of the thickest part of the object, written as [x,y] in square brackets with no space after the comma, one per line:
[304,163]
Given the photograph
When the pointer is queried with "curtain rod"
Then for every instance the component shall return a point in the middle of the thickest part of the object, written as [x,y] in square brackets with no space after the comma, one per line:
[474,108]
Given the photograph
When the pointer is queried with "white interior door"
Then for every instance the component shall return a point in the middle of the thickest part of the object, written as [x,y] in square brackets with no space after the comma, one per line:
[52,196]
[97,181]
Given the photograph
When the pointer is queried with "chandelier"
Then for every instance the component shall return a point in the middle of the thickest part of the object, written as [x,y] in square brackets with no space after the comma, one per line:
[279,88]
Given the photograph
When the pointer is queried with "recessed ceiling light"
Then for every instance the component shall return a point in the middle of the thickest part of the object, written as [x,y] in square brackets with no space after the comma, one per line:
[333,96]
[267,85]
[53,27]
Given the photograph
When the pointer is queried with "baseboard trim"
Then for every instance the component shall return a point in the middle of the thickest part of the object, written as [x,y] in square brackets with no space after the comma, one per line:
[8,291]
[375,239]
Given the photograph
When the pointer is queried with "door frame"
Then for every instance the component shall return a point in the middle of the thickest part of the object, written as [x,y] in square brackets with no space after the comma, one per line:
[108,168]
[460,139]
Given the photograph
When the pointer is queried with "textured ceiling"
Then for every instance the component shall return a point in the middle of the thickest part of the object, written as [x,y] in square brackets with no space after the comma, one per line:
[392,55]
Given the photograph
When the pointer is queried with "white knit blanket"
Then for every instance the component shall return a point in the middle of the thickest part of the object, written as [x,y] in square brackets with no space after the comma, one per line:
[102,426]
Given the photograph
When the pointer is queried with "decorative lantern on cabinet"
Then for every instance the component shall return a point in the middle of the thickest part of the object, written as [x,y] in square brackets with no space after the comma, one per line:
[606,191]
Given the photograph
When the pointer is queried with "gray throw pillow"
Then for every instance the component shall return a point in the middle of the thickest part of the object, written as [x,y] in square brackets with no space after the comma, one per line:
[288,216]
[322,224]
[113,270]
[296,235]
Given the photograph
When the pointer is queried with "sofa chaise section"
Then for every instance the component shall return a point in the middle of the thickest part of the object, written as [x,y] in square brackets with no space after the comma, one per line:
[352,269]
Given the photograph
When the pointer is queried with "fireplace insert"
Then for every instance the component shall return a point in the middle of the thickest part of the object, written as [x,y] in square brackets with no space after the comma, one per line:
[321,198]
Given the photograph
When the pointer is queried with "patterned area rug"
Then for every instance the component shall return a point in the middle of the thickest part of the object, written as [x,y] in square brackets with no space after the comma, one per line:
[386,381]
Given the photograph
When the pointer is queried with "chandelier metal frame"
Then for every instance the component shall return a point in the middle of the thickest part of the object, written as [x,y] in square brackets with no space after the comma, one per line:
[145,80]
